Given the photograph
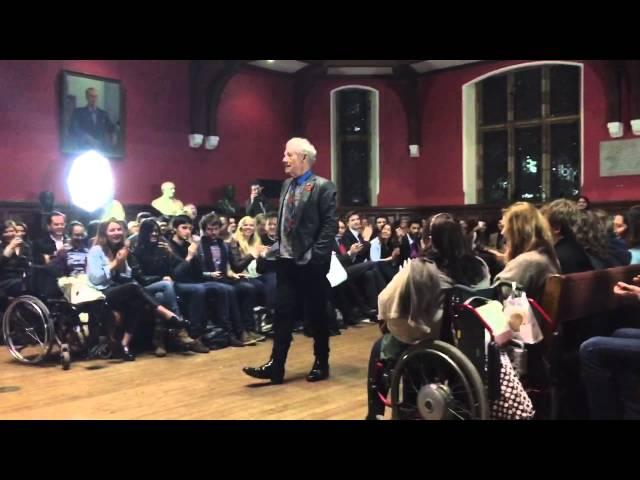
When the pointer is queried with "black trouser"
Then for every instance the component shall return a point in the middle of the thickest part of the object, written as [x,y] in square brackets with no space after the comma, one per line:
[301,286]
[388,270]
[12,287]
[368,278]
[129,298]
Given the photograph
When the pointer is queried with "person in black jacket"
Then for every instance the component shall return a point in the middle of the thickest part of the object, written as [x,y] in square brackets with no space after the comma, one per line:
[206,261]
[154,266]
[15,261]
[306,231]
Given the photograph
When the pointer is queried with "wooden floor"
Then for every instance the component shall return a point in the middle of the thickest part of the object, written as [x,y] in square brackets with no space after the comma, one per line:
[192,386]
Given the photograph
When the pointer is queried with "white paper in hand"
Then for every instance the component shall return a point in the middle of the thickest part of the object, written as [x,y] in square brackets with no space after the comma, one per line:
[337,274]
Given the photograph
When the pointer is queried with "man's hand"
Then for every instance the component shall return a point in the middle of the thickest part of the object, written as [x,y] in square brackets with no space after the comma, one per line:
[355,248]
[626,290]
[216,274]
[192,251]
[395,253]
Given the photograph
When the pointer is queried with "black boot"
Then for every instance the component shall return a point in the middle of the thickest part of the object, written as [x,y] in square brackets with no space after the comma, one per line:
[319,371]
[268,371]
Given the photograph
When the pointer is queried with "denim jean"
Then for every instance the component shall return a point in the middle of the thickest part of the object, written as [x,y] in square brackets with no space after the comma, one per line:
[611,373]
[169,297]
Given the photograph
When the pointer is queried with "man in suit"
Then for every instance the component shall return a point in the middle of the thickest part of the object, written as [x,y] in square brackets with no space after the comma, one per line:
[307,225]
[90,126]
[410,243]
[47,247]
[363,273]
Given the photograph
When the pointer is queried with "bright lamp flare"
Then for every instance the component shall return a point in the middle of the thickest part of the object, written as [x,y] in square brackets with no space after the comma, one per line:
[90,181]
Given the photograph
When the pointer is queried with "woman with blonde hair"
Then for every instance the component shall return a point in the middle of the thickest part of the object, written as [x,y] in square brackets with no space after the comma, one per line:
[529,253]
[249,254]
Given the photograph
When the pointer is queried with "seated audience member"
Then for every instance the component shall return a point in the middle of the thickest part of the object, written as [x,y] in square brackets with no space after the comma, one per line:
[92,231]
[23,231]
[215,250]
[261,224]
[633,235]
[562,216]
[220,264]
[133,237]
[45,248]
[385,249]
[399,230]
[617,246]
[191,211]
[248,251]
[72,262]
[410,243]
[366,230]
[530,254]
[232,227]
[621,226]
[270,235]
[411,306]
[381,221]
[15,263]
[345,295]
[257,203]
[153,264]
[109,272]
[362,272]
[583,203]
[72,259]
[611,368]
[592,237]
[496,240]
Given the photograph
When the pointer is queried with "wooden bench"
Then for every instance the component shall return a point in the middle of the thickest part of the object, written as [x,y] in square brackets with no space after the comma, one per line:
[580,306]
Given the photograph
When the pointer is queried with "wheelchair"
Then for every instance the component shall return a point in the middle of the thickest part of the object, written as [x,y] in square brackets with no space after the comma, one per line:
[457,376]
[42,321]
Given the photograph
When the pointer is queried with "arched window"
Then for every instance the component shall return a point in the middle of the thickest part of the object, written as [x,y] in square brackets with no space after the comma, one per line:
[354,133]
[528,142]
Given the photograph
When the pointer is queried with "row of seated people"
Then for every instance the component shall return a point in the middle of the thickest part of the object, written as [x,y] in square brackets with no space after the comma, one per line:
[558,238]
[198,272]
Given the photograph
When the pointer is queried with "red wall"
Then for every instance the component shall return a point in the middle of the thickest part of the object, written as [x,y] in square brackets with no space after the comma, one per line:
[254,123]
[397,169]
[439,169]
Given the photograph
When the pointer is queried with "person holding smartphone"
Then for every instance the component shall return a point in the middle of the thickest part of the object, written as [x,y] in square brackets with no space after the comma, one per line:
[611,367]
[257,203]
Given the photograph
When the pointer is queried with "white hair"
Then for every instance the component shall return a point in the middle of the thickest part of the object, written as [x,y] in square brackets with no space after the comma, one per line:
[306,148]
[167,185]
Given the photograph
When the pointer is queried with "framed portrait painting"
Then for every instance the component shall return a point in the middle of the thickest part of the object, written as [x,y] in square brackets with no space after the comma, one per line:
[92,115]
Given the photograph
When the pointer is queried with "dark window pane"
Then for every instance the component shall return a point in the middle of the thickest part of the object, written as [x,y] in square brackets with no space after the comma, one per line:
[354,163]
[353,112]
[565,90]
[528,94]
[565,160]
[494,100]
[528,164]
[495,167]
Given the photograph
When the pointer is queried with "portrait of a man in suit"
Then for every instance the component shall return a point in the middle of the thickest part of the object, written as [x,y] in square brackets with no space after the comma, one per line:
[91,115]
[91,127]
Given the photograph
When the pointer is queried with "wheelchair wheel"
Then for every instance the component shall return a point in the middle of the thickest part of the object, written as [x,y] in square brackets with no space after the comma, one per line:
[28,329]
[435,381]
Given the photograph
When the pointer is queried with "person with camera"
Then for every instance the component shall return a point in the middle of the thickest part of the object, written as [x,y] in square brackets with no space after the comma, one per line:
[257,202]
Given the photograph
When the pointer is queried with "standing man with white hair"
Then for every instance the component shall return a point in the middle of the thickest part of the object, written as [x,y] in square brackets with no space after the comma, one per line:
[307,226]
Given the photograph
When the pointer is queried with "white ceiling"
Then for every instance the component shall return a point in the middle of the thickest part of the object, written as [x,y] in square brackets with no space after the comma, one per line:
[292,66]
[431,65]
[287,66]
